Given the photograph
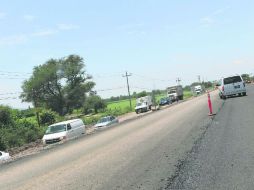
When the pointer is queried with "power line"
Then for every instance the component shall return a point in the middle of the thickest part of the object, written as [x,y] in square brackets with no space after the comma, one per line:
[13,78]
[142,88]
[13,72]
[9,93]
[9,98]
[110,89]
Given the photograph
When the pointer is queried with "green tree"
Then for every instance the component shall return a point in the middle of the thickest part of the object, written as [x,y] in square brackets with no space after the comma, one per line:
[246,77]
[94,103]
[141,94]
[59,84]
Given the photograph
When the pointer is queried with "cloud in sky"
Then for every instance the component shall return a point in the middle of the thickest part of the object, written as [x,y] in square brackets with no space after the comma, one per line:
[13,40]
[207,21]
[29,18]
[2,15]
[240,62]
[67,27]
[60,27]
[211,19]
[47,32]
[20,39]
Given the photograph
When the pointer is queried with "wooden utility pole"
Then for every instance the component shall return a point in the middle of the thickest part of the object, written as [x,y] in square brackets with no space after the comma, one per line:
[127,75]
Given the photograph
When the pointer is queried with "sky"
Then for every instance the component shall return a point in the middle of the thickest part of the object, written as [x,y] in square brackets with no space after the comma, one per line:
[157,41]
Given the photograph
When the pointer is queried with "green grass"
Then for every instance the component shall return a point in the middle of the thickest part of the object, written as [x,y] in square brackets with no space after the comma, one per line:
[121,107]
[123,104]
[187,94]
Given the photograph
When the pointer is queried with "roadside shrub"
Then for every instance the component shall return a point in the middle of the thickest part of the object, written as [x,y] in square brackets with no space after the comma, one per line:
[27,113]
[3,142]
[91,119]
[5,116]
[21,133]
[48,117]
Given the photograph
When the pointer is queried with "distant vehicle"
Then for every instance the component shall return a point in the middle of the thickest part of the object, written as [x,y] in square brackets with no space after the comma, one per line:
[143,104]
[107,121]
[165,101]
[198,89]
[63,131]
[233,85]
[4,156]
[175,93]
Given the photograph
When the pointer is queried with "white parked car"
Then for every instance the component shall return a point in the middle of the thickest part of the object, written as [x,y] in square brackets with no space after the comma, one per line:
[107,121]
[64,131]
[4,156]
[230,86]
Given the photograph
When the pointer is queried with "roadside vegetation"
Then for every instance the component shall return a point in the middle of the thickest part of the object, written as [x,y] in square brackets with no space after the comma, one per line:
[59,90]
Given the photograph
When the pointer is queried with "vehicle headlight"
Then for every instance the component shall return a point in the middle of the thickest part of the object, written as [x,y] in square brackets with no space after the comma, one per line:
[62,138]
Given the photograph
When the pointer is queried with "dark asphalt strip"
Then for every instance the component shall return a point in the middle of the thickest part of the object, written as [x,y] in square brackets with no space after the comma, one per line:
[180,166]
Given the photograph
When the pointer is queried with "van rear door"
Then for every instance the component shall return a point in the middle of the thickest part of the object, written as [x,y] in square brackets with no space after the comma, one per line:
[233,85]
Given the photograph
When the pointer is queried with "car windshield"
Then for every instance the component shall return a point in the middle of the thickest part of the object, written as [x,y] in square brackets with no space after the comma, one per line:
[56,129]
[231,80]
[103,120]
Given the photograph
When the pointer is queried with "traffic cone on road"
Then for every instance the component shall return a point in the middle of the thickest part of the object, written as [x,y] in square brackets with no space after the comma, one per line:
[210,105]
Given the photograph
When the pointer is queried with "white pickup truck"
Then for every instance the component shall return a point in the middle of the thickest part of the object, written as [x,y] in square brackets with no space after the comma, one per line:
[143,104]
[198,89]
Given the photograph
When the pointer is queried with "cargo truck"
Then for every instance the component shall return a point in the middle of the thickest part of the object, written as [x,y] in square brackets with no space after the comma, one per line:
[143,104]
[175,93]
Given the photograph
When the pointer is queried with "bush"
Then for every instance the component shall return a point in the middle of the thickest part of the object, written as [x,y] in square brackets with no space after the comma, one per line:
[21,133]
[27,113]
[5,116]
[48,117]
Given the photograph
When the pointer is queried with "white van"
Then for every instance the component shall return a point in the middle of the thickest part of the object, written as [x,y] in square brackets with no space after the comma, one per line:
[63,131]
[233,85]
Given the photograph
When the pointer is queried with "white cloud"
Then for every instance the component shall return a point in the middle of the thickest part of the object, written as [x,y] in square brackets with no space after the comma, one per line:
[220,11]
[212,18]
[239,62]
[207,21]
[47,32]
[13,40]
[2,15]
[29,18]
[67,26]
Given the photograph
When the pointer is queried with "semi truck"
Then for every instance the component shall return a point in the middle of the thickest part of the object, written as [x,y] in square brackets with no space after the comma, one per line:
[175,93]
[143,104]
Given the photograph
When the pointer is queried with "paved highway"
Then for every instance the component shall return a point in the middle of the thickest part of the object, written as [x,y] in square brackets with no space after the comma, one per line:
[224,158]
[176,148]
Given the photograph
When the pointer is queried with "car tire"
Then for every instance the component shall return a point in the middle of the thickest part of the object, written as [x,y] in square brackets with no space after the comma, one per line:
[239,94]
[244,94]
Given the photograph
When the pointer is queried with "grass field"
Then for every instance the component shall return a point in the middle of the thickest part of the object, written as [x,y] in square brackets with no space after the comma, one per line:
[124,104]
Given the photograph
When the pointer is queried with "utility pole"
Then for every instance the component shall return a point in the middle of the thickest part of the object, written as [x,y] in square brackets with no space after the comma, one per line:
[199,79]
[178,80]
[127,75]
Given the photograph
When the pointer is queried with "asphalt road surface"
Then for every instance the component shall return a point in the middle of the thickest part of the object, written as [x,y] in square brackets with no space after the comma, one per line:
[224,158]
[176,148]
